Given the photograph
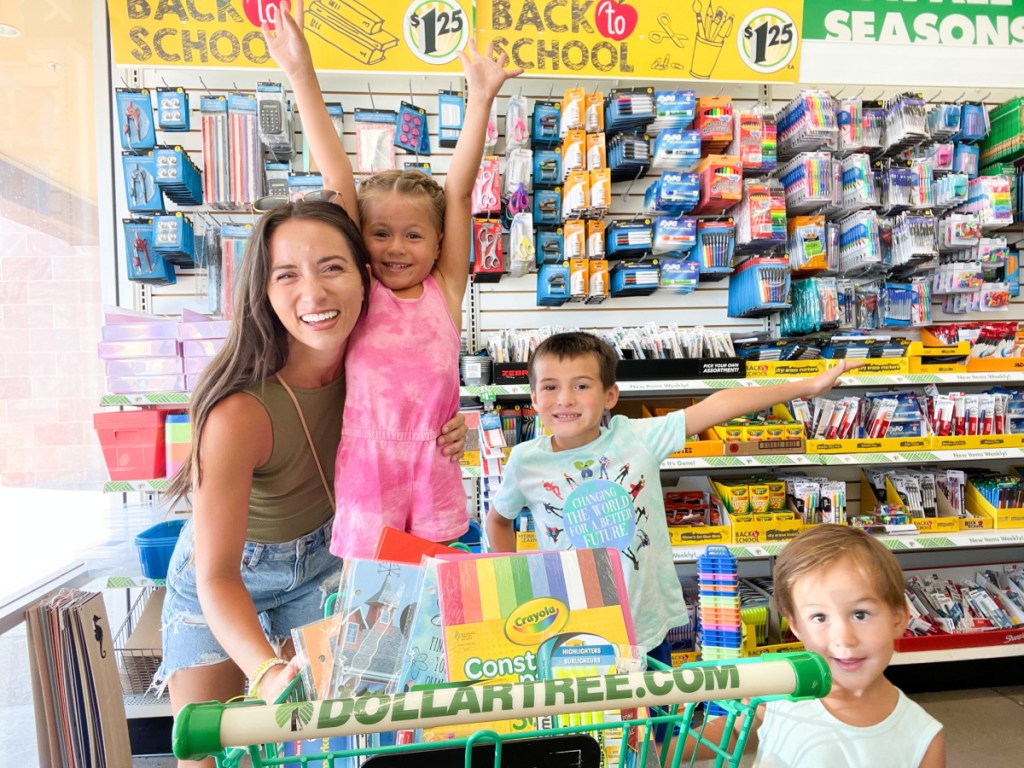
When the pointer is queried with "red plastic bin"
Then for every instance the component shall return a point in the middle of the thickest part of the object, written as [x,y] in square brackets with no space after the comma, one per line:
[133,443]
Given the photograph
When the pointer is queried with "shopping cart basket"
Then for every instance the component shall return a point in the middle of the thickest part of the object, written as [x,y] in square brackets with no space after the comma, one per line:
[255,730]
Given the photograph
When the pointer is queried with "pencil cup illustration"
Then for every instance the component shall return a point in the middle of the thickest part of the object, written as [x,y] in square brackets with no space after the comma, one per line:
[713,28]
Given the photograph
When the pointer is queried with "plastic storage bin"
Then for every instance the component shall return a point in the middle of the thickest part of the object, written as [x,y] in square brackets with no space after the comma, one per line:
[133,443]
[155,545]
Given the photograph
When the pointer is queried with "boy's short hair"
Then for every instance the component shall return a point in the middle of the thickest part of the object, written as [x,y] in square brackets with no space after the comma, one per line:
[820,547]
[572,346]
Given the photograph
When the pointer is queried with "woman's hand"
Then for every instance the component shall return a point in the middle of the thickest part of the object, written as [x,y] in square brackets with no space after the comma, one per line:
[286,40]
[452,440]
[484,74]
[276,680]
[827,379]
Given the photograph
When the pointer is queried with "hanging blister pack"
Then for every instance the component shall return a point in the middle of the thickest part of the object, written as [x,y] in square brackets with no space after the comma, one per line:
[672,234]
[517,123]
[573,109]
[337,115]
[177,176]
[172,109]
[547,206]
[451,112]
[135,119]
[375,133]
[277,179]
[488,256]
[673,109]
[141,189]
[274,120]
[522,258]
[421,167]
[548,246]
[174,239]
[628,238]
[491,137]
[547,168]
[552,285]
[545,125]
[486,195]
[144,264]
[411,133]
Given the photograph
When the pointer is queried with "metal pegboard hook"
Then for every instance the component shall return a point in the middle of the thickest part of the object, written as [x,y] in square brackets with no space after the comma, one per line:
[857,95]
[935,99]
[164,81]
[369,90]
[982,99]
[205,86]
[625,195]
[960,97]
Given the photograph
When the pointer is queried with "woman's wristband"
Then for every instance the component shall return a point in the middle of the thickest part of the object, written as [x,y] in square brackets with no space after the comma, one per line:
[261,671]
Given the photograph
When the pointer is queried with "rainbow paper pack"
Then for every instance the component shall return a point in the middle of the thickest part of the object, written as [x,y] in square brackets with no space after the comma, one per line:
[499,613]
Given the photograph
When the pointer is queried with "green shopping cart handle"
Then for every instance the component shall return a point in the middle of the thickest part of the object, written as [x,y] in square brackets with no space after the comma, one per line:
[201,730]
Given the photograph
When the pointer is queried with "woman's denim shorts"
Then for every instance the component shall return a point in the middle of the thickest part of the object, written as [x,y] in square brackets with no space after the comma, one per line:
[289,584]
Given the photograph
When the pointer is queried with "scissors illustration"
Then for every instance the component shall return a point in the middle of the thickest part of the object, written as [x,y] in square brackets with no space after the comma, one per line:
[665,22]
[490,256]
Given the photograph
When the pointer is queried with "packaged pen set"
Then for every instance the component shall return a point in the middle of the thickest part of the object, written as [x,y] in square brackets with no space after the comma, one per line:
[961,600]
[872,417]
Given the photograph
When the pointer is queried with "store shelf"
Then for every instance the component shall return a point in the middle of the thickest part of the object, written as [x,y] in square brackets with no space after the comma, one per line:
[149,398]
[706,385]
[921,542]
[827,460]
[679,386]
[137,706]
[919,457]
[973,653]
[129,486]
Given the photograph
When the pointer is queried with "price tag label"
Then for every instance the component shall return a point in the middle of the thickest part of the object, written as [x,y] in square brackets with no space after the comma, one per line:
[436,30]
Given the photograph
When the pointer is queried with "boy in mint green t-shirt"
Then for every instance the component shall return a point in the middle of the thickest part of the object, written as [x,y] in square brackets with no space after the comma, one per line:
[593,486]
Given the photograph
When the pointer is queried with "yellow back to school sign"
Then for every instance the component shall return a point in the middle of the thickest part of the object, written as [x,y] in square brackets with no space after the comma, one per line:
[742,40]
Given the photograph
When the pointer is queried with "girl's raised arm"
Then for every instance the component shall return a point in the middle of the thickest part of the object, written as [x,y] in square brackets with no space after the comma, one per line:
[286,42]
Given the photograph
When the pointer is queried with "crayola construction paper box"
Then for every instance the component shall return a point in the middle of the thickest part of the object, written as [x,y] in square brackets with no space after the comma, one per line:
[501,615]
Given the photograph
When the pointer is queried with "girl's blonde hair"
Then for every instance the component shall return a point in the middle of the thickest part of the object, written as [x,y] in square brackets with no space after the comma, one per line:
[411,183]
[820,547]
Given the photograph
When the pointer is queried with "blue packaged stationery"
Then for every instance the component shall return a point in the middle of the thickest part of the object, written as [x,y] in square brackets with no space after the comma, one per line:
[172,109]
[144,262]
[140,187]
[135,119]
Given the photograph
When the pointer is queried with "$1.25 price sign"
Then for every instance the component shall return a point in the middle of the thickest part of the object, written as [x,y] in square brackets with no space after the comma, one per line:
[768,40]
[436,30]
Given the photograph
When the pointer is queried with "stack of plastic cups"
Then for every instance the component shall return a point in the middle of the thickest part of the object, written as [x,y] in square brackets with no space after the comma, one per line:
[721,629]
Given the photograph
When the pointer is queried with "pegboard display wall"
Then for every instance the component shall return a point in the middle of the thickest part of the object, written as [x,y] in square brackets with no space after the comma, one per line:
[511,302]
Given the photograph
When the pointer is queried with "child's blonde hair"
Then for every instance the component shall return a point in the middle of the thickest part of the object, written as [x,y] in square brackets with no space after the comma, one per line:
[820,547]
[404,183]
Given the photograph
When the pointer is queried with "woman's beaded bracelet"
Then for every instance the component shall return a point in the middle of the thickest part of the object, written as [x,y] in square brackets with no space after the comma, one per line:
[261,671]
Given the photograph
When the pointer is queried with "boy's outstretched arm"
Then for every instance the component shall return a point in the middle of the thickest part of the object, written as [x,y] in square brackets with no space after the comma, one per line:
[484,77]
[286,41]
[730,403]
[501,535]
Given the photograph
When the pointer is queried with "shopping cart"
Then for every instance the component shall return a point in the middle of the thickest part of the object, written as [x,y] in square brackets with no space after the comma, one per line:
[253,730]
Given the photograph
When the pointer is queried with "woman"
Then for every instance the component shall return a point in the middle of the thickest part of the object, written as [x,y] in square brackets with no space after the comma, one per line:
[266,418]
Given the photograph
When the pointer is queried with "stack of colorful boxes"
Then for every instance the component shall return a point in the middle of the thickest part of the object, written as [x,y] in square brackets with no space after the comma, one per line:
[201,338]
[721,630]
[140,353]
[178,440]
[721,627]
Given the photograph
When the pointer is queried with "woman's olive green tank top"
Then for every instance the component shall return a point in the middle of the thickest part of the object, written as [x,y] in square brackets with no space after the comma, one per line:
[288,499]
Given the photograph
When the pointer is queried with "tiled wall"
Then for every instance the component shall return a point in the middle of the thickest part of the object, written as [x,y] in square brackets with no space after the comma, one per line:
[50,379]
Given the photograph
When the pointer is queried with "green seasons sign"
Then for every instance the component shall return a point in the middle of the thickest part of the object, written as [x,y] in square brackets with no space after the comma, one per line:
[984,23]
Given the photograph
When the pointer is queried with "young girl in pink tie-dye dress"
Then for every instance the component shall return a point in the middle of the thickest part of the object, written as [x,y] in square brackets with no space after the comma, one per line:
[402,364]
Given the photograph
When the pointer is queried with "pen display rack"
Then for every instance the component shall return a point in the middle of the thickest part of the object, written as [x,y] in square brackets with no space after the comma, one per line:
[759,287]
[860,248]
[815,307]
[807,123]
[808,182]
[714,248]
[905,123]
[859,188]
[761,216]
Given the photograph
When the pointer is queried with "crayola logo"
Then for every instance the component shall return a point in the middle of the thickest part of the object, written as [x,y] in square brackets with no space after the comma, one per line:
[535,621]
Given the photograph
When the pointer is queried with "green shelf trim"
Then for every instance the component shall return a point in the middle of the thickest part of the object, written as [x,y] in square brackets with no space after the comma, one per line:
[741,552]
[895,544]
[935,542]
[773,549]
[130,486]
